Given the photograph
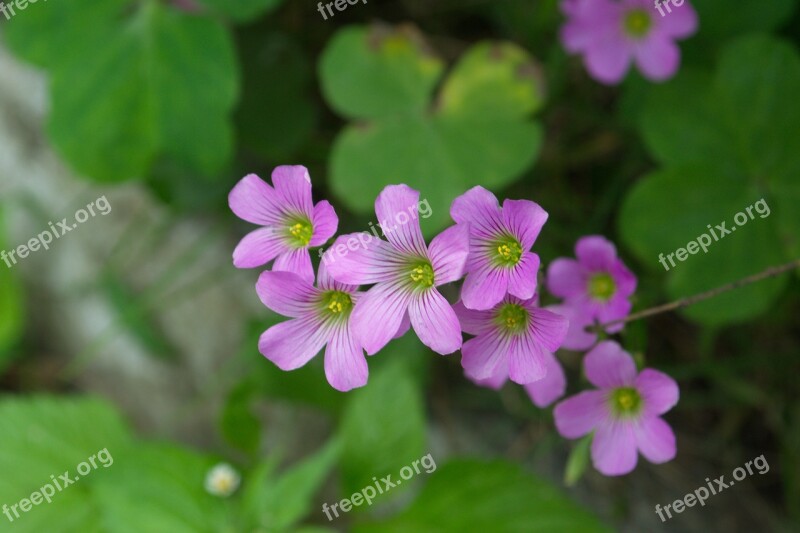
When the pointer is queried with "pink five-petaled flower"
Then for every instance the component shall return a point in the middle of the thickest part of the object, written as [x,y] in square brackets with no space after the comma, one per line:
[499,261]
[320,316]
[515,339]
[542,392]
[292,223]
[624,414]
[597,285]
[406,272]
[611,34]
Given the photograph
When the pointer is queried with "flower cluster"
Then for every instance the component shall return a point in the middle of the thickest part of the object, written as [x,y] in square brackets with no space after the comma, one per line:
[611,34]
[510,336]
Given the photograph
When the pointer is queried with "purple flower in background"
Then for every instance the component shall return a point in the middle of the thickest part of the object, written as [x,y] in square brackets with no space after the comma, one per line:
[597,285]
[292,223]
[515,339]
[499,262]
[320,316]
[612,34]
[577,338]
[625,414]
[406,272]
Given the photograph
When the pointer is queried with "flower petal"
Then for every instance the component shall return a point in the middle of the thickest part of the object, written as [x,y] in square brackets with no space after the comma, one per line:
[615,309]
[396,208]
[608,58]
[472,321]
[659,391]
[345,364]
[378,315]
[293,185]
[624,279]
[657,57]
[326,282]
[522,278]
[480,209]
[577,338]
[435,322]
[548,328]
[566,278]
[255,201]
[293,343]
[679,24]
[258,248]
[578,415]
[656,440]
[526,360]
[448,253]
[325,223]
[405,325]
[485,288]
[286,293]
[614,448]
[525,220]
[551,387]
[498,378]
[481,356]
[609,366]
[363,259]
[297,261]
[596,253]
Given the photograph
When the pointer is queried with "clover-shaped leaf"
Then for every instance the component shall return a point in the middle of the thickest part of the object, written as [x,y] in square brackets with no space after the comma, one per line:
[726,142]
[128,85]
[478,131]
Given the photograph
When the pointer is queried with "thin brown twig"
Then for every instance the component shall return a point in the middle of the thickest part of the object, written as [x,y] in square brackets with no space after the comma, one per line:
[686,302]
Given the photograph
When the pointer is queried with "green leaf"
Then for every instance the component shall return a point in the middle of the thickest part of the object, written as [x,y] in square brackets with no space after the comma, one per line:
[496,496]
[47,436]
[131,86]
[158,487]
[240,427]
[487,70]
[718,20]
[378,73]
[668,209]
[726,142]
[477,132]
[12,309]
[242,10]
[285,501]
[382,429]
[578,461]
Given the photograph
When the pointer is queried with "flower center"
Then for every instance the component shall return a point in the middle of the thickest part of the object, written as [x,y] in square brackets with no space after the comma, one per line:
[508,252]
[626,401]
[638,23]
[300,232]
[513,318]
[337,303]
[421,275]
[602,287]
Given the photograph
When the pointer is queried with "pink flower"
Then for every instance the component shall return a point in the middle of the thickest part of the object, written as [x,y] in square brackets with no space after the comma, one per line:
[291,222]
[499,262]
[542,392]
[406,272]
[612,34]
[596,286]
[515,339]
[321,316]
[624,414]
